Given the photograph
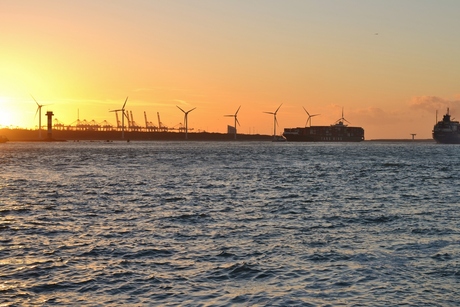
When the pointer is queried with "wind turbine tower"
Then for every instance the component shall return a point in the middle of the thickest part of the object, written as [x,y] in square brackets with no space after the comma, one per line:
[236,118]
[309,117]
[122,118]
[186,120]
[39,111]
[275,122]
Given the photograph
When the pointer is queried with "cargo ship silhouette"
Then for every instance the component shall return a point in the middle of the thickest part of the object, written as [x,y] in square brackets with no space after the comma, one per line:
[338,132]
[447,131]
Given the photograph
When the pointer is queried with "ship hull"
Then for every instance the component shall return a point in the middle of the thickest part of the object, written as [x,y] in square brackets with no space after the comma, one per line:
[324,134]
[447,138]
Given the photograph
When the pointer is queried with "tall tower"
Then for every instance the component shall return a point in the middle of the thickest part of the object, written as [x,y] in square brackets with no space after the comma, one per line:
[49,115]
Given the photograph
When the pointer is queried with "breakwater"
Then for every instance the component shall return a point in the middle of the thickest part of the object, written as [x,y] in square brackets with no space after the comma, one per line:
[76,135]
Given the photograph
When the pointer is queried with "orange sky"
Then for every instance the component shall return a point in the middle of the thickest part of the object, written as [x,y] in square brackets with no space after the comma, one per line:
[390,64]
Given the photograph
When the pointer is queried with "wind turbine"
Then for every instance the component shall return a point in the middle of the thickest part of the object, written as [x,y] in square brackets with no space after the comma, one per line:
[186,120]
[122,118]
[309,117]
[39,111]
[275,122]
[236,118]
[341,120]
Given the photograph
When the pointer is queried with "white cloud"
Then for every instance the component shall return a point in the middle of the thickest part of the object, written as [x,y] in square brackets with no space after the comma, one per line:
[433,103]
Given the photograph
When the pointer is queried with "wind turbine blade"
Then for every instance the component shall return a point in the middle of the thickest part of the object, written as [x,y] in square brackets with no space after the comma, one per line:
[276,122]
[125,103]
[306,111]
[180,109]
[36,112]
[191,110]
[237,110]
[236,119]
[278,108]
[270,113]
[229,115]
[35,100]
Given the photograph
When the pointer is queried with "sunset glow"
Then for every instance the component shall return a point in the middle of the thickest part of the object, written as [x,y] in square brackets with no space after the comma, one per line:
[389,64]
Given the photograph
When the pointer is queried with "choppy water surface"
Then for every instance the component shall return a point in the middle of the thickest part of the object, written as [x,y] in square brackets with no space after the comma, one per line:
[223,224]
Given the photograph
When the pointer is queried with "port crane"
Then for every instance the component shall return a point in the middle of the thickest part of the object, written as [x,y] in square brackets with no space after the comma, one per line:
[161,127]
[134,126]
[58,125]
[106,126]
[118,121]
[149,126]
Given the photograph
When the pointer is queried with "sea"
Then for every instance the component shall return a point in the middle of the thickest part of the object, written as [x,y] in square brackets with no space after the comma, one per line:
[229,224]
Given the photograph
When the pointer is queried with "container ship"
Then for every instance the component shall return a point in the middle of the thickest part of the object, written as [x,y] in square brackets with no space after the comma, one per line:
[447,131]
[338,132]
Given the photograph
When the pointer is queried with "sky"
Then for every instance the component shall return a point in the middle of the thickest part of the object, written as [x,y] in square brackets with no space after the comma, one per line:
[390,65]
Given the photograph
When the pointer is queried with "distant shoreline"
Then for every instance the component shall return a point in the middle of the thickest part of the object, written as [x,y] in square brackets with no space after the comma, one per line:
[403,140]
[25,135]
